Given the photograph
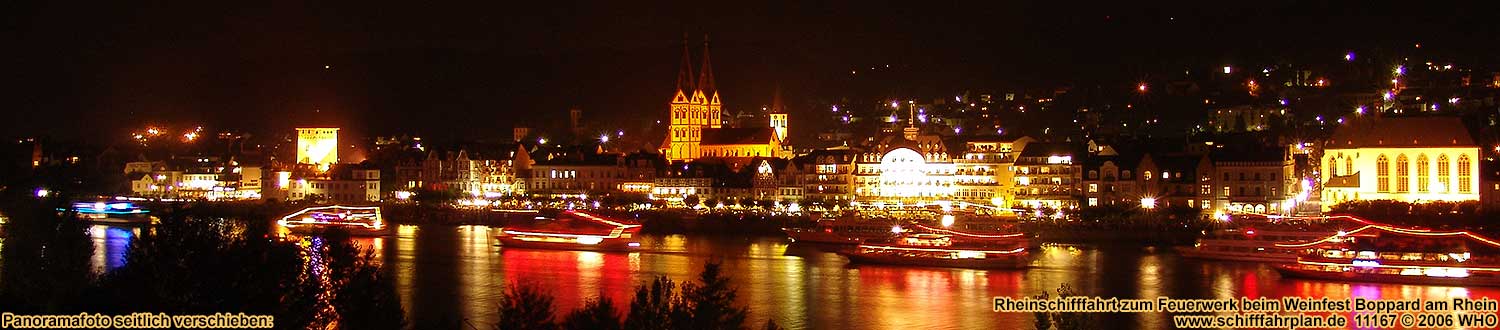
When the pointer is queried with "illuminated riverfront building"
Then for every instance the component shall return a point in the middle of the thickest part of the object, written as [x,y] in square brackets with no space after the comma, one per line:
[1403,159]
[581,172]
[1145,180]
[909,168]
[828,174]
[341,183]
[695,120]
[194,177]
[318,146]
[488,174]
[1249,181]
[983,175]
[1047,176]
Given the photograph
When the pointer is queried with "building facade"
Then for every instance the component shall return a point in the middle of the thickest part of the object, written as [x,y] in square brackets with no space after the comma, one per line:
[911,168]
[1047,175]
[343,183]
[695,126]
[1245,181]
[1403,159]
[318,146]
[984,175]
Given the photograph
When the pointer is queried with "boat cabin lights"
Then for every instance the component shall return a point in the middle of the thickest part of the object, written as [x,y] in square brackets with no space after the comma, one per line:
[1403,231]
[366,216]
[959,233]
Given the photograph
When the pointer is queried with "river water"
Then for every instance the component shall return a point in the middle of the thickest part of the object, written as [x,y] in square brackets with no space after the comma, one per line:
[450,276]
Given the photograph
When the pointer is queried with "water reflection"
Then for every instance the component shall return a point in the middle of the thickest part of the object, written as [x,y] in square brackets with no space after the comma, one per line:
[454,276]
[110,246]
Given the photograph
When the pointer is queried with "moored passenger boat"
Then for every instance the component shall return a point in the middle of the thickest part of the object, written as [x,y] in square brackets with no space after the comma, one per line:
[1379,253]
[950,249]
[589,232]
[1256,239]
[357,220]
[119,213]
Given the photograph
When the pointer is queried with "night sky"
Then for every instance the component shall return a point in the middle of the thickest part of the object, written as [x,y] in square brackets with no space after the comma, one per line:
[92,69]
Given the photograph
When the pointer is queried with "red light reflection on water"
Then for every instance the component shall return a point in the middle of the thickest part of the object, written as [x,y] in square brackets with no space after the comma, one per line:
[446,274]
[902,297]
[1249,286]
[573,277]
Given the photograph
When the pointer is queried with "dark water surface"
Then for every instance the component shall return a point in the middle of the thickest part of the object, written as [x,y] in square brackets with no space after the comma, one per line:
[455,275]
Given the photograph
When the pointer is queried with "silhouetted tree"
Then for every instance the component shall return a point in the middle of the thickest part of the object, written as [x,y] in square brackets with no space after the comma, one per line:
[190,265]
[652,307]
[1062,320]
[596,314]
[525,307]
[44,267]
[710,303]
[365,297]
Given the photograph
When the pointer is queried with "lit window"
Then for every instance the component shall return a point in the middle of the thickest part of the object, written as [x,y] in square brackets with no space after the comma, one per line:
[1444,181]
[1463,175]
[1422,173]
[1382,174]
[1403,174]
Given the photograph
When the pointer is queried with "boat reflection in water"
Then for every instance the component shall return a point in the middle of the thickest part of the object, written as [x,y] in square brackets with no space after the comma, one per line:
[357,220]
[577,231]
[1380,253]
[448,275]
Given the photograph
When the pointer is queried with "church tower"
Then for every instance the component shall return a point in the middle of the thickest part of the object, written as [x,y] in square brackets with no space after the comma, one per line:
[712,108]
[778,116]
[683,133]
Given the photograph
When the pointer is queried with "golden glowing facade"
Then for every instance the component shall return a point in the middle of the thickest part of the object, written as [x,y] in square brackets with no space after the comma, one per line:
[1403,159]
[695,122]
[914,168]
[318,146]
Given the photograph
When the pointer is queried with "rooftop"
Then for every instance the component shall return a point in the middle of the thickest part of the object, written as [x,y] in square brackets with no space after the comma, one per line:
[1402,132]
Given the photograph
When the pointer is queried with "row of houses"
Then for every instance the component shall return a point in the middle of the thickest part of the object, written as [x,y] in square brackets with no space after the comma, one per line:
[1406,159]
[909,168]
[210,178]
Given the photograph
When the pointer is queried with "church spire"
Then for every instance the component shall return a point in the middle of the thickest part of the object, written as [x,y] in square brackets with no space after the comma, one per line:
[706,72]
[685,72]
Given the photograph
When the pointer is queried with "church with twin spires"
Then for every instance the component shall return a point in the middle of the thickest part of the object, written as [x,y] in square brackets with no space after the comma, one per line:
[696,121]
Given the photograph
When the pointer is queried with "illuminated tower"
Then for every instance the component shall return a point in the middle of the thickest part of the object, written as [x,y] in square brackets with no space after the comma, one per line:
[778,116]
[683,133]
[712,108]
[318,146]
[695,107]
